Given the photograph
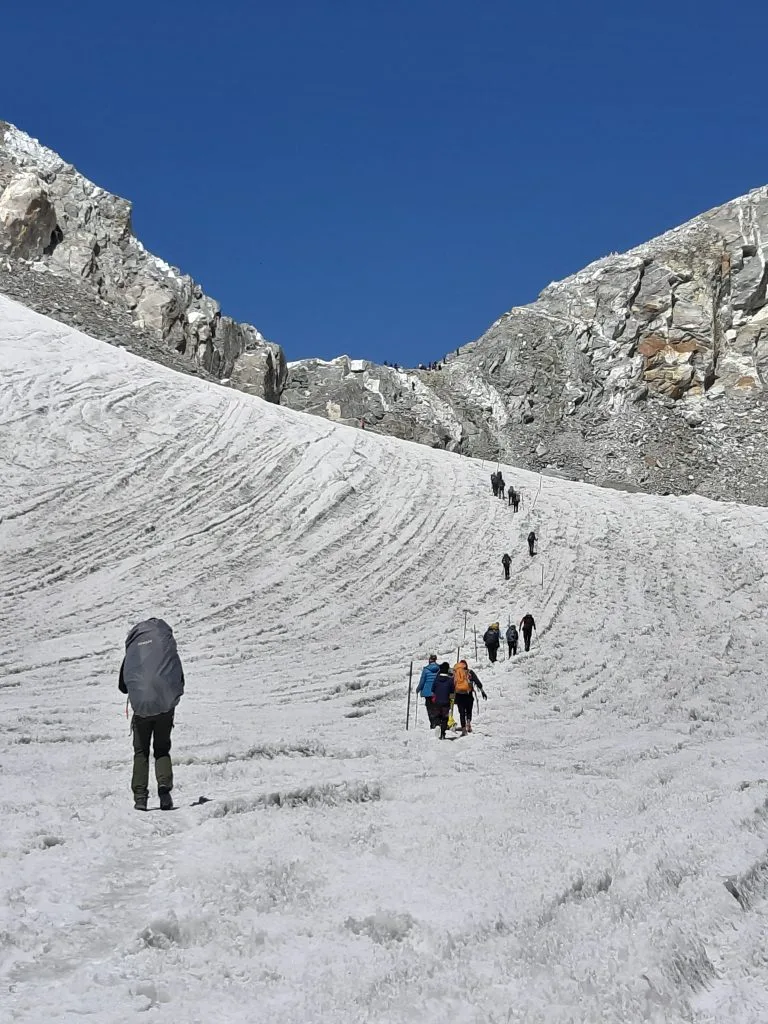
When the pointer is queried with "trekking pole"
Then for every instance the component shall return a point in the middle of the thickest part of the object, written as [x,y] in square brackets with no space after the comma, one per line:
[408,709]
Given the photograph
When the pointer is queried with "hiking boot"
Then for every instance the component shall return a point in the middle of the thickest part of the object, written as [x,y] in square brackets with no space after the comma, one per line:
[463,730]
[166,800]
[139,803]
[469,727]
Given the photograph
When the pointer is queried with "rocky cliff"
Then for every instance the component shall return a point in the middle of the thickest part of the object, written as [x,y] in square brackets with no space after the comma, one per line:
[67,250]
[646,370]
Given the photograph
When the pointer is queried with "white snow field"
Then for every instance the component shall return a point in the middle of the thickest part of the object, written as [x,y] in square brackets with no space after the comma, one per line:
[596,851]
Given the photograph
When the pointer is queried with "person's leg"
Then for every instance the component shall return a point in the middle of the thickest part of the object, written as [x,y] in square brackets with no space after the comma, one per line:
[509,648]
[527,638]
[444,712]
[141,729]
[162,751]
[461,700]
[492,652]
[514,650]
[432,714]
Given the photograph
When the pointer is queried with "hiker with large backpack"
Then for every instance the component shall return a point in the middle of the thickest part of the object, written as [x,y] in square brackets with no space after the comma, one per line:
[527,625]
[506,561]
[464,683]
[492,639]
[512,640]
[152,676]
[427,678]
[442,692]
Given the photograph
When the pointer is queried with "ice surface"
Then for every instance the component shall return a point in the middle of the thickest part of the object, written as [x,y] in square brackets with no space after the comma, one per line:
[565,863]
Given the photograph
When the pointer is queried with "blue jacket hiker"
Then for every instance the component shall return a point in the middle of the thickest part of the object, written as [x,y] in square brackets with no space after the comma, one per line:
[428,674]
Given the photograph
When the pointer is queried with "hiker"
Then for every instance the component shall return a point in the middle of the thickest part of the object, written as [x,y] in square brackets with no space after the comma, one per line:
[506,561]
[510,494]
[515,500]
[502,486]
[442,691]
[464,683]
[491,639]
[428,674]
[527,625]
[152,676]
[531,543]
[512,639]
[495,484]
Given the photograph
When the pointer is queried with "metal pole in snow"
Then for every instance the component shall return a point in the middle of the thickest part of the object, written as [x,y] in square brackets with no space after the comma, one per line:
[474,629]
[542,575]
[408,709]
[466,610]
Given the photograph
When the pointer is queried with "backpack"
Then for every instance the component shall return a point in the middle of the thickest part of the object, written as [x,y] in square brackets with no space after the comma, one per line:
[152,670]
[461,681]
[512,634]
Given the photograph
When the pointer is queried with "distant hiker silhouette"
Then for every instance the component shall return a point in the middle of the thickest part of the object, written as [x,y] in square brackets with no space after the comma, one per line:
[531,543]
[506,561]
[502,487]
[512,639]
[527,625]
[492,639]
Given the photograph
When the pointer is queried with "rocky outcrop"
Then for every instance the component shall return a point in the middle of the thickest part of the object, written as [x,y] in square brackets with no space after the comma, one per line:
[638,371]
[55,220]
[645,370]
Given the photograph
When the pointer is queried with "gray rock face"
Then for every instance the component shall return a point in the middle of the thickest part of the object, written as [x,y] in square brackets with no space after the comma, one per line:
[27,217]
[645,370]
[53,217]
[641,370]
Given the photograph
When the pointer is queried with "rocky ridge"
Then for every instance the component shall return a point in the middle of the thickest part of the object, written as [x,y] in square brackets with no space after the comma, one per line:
[67,249]
[645,370]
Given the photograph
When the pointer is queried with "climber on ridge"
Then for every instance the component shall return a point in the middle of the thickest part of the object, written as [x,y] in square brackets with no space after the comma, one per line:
[532,543]
[506,561]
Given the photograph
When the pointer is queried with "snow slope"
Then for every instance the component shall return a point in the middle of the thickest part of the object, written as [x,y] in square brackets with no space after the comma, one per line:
[566,862]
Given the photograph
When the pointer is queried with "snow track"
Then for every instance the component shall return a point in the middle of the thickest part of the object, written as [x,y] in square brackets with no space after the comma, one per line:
[567,862]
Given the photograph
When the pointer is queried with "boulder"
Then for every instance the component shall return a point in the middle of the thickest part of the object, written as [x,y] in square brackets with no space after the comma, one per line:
[27,217]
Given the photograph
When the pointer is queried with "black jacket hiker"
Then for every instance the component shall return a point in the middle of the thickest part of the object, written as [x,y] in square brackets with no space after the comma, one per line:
[442,691]
[491,639]
[506,561]
[512,640]
[527,625]
[531,543]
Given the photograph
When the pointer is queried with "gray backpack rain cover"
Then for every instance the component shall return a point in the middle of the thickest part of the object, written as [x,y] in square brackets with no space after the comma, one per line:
[152,671]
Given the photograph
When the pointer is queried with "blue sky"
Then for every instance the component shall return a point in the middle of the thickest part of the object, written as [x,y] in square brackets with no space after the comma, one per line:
[386,178]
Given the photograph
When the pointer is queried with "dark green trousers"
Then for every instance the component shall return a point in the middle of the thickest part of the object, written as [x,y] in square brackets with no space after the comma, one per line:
[156,730]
